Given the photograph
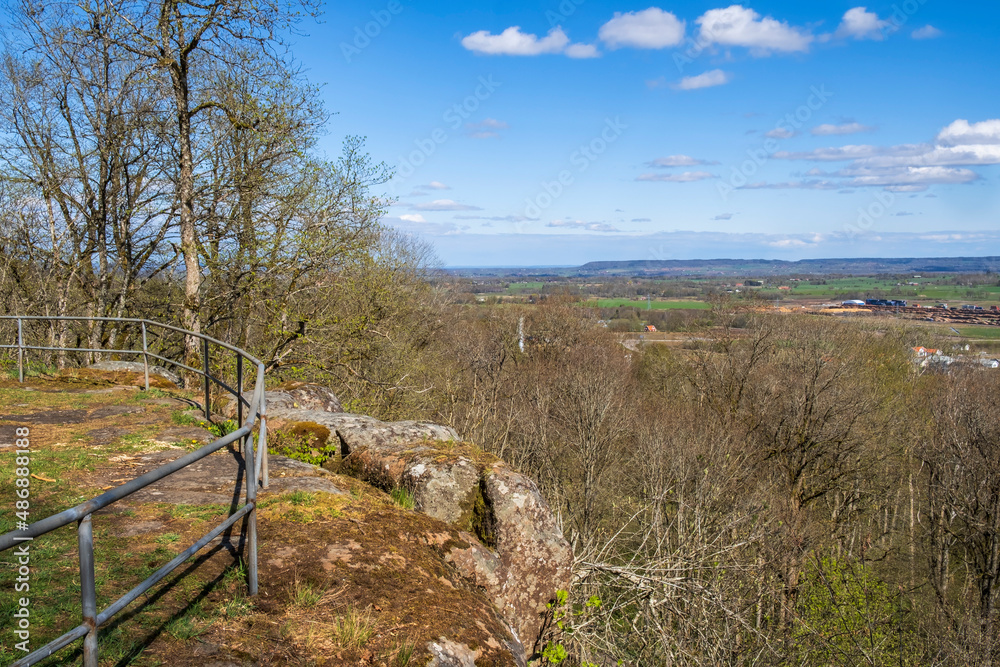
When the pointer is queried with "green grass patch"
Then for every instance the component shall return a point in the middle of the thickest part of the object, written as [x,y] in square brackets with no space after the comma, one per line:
[403,498]
[979,332]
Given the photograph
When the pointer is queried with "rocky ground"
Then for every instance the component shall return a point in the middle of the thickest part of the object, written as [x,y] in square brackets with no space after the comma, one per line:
[428,552]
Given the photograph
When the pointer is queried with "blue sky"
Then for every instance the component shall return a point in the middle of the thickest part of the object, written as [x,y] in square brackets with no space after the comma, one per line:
[555,133]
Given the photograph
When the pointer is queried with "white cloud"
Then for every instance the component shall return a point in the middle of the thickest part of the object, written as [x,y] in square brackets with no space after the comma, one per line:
[412,217]
[827,129]
[407,223]
[723,216]
[493,218]
[444,205]
[963,133]
[854,152]
[580,224]
[582,51]
[715,77]
[437,185]
[859,23]
[927,32]
[650,28]
[513,42]
[781,133]
[678,161]
[685,177]
[740,26]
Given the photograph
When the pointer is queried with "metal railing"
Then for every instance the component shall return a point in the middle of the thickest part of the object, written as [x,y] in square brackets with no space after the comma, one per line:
[254,464]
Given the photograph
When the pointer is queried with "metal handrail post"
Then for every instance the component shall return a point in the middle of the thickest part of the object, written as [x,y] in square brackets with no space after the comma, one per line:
[20,351]
[239,390]
[145,355]
[262,441]
[204,356]
[88,590]
[251,480]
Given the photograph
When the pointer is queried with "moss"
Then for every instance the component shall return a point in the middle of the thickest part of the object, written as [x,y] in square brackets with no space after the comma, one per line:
[309,429]
[482,522]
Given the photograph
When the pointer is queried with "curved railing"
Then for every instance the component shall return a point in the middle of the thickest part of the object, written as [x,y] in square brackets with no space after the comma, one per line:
[253,445]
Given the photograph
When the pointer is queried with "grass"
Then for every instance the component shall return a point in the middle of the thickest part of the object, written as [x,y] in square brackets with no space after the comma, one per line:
[65,454]
[403,498]
[517,288]
[401,654]
[306,593]
[353,628]
[974,332]
[222,429]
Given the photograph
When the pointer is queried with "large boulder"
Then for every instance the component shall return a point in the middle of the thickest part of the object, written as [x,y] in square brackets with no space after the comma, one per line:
[521,557]
[535,559]
[518,556]
[293,396]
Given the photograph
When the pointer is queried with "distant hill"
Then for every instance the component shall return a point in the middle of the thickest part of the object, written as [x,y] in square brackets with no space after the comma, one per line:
[767,267]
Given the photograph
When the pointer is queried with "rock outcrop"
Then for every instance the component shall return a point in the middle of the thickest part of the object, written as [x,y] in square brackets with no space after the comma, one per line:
[515,550]
[293,396]
[136,367]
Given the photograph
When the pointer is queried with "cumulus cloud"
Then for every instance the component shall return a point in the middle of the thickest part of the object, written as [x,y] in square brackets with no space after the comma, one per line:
[580,224]
[444,205]
[678,161]
[685,177]
[715,77]
[859,23]
[412,217]
[513,42]
[650,28]
[827,129]
[927,32]
[963,133]
[740,26]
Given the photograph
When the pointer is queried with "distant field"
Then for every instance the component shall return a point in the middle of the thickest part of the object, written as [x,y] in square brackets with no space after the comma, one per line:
[655,305]
[929,290]
[990,333]
[516,288]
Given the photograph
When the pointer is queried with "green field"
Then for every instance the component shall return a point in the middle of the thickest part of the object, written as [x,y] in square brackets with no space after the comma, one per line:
[928,289]
[978,333]
[518,288]
[654,305]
